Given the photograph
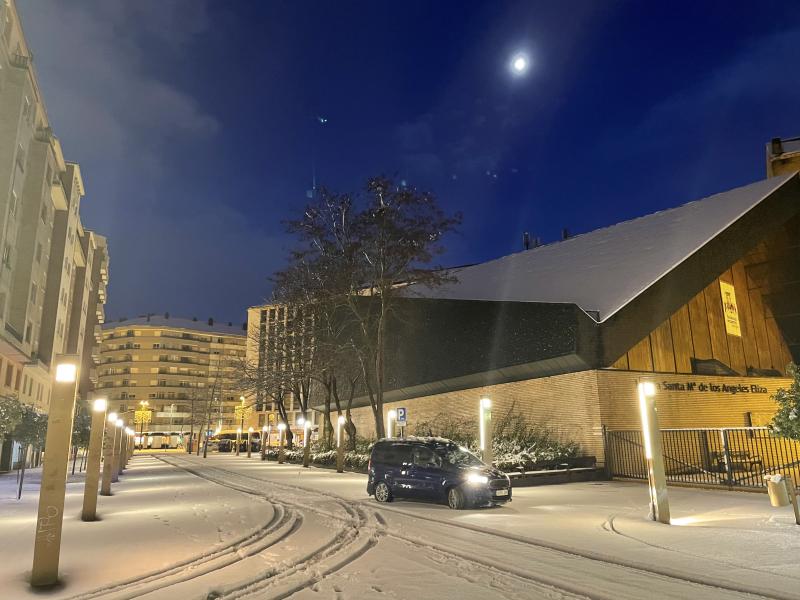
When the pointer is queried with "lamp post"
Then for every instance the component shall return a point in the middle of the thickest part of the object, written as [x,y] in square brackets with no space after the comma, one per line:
[339,445]
[130,442]
[486,430]
[281,455]
[659,503]
[47,544]
[238,439]
[109,442]
[90,485]
[117,450]
[391,419]
[142,416]
[306,424]
[264,441]
[249,436]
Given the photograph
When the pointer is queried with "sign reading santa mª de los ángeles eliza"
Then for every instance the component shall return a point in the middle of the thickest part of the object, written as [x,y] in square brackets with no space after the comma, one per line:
[720,388]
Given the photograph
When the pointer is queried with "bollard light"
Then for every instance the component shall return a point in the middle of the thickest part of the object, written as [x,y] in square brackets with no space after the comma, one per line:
[49,522]
[306,442]
[91,483]
[281,430]
[485,425]
[339,445]
[391,419]
[651,436]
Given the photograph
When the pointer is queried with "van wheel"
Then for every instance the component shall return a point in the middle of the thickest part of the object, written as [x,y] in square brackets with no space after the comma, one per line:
[383,493]
[456,499]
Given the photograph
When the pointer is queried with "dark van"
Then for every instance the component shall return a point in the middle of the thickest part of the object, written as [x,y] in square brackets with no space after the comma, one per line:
[434,468]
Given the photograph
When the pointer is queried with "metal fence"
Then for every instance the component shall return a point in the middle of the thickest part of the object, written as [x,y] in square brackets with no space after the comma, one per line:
[730,457]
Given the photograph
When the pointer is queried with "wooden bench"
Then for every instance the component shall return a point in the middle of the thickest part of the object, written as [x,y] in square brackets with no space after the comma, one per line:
[740,460]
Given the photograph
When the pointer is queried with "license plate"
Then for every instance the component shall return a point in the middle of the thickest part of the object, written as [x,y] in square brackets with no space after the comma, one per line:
[501,493]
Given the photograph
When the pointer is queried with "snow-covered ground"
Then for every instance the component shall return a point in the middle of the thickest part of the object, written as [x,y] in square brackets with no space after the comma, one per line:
[229,527]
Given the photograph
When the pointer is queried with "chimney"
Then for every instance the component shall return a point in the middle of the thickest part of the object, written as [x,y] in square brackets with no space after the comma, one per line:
[210,321]
[526,241]
[194,318]
[565,234]
[230,323]
[166,315]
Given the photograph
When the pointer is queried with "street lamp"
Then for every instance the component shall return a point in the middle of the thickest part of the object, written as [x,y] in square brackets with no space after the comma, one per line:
[89,511]
[281,430]
[249,435]
[109,443]
[339,444]
[486,430]
[659,503]
[130,441]
[391,419]
[117,450]
[47,543]
[306,424]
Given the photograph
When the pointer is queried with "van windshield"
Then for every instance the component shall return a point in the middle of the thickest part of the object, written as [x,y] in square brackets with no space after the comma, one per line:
[456,455]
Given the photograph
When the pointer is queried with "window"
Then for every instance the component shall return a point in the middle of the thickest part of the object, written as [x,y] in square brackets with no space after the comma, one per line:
[33,293]
[28,331]
[44,214]
[38,252]
[424,457]
[13,204]
[7,256]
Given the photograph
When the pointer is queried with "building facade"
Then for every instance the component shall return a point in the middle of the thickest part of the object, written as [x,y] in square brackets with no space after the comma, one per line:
[46,297]
[184,372]
[701,299]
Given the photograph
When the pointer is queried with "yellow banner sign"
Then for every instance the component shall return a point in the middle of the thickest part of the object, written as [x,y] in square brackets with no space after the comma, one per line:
[730,309]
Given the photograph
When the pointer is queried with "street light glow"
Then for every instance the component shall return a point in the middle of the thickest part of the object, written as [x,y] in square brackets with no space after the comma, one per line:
[112,417]
[100,405]
[119,423]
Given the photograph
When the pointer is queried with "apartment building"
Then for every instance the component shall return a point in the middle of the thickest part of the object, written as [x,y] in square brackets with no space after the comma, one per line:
[183,369]
[46,297]
[278,349]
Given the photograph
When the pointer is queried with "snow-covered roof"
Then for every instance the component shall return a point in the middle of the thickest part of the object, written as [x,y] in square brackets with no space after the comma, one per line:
[178,323]
[605,269]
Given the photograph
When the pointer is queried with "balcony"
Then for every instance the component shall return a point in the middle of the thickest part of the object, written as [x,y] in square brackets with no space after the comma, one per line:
[93,375]
[96,355]
[100,311]
[44,134]
[20,61]
[98,333]
[58,195]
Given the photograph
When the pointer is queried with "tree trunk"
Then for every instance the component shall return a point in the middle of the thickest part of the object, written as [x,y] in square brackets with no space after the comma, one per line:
[74,457]
[327,425]
[22,472]
[379,372]
[349,426]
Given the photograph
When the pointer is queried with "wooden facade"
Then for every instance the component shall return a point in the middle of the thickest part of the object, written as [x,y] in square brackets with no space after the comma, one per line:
[697,330]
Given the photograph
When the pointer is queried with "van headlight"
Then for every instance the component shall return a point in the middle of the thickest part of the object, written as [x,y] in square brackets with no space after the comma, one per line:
[475,478]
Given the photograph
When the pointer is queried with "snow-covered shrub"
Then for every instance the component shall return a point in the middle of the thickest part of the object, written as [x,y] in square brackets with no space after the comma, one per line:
[786,421]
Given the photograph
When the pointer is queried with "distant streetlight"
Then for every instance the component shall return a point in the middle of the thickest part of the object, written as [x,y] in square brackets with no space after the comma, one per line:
[47,543]
[659,503]
[339,444]
[486,430]
[89,512]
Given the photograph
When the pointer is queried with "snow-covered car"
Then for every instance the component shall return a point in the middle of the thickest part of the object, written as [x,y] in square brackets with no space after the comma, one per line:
[434,468]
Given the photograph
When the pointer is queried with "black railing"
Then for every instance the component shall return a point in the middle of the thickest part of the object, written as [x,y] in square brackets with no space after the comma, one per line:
[729,457]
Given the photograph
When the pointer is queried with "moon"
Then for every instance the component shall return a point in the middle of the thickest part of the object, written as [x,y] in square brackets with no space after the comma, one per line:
[519,64]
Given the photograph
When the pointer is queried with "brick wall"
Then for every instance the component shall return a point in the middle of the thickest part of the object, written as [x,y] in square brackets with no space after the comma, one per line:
[566,404]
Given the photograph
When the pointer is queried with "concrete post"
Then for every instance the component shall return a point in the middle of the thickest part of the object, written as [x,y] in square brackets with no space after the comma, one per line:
[339,445]
[89,512]
[659,503]
[486,430]
[281,454]
[109,442]
[306,443]
[47,544]
[115,458]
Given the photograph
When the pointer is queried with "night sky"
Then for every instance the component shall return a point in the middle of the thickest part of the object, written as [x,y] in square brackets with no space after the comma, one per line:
[197,123]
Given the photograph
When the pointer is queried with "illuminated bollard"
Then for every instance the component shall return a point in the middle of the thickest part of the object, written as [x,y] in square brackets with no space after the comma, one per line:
[339,444]
[90,486]
[391,419]
[117,450]
[264,441]
[109,442]
[47,544]
[306,442]
[281,454]
[486,430]
[659,503]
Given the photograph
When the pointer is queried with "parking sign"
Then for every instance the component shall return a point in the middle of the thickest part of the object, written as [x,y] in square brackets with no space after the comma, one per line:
[401,417]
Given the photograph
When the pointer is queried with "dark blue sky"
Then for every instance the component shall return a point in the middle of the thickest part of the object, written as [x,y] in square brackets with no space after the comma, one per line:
[196,122]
